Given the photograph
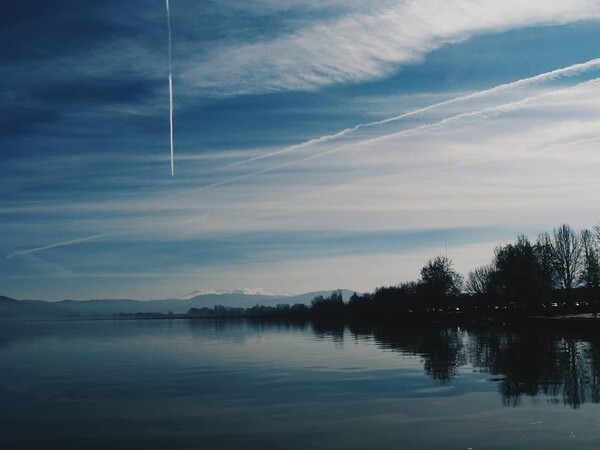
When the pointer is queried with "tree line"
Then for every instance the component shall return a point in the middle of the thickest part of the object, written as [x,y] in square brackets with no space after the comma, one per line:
[528,272]
[523,276]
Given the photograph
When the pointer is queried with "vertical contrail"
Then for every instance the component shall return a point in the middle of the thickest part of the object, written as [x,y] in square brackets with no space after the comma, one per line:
[170,89]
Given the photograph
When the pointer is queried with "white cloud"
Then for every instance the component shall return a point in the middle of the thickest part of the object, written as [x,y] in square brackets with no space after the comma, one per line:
[362,46]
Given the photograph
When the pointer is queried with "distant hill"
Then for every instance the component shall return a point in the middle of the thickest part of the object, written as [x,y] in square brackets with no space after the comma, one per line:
[6,300]
[23,309]
[17,309]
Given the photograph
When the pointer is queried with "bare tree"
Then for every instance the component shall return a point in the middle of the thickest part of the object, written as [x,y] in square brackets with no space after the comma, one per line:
[546,257]
[590,273]
[568,252]
[479,280]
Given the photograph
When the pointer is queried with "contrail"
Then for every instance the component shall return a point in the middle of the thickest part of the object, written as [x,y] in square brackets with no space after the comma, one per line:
[493,110]
[570,70]
[170,88]
[60,244]
[403,133]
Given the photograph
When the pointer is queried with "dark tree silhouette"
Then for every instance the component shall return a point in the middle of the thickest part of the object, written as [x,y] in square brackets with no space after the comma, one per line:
[518,276]
[439,280]
[396,300]
[480,281]
[361,305]
[328,306]
[590,272]
[546,257]
[567,248]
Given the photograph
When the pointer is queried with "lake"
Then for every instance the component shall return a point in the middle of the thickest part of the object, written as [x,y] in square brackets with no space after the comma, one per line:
[200,384]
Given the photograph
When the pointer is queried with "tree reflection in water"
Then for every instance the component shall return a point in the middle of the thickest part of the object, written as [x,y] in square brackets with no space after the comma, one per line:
[561,367]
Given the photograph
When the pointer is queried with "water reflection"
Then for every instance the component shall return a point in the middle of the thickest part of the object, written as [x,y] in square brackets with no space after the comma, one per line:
[269,385]
[562,367]
[333,330]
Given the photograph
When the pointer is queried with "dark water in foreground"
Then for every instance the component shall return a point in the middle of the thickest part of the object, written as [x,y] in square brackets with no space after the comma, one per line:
[252,385]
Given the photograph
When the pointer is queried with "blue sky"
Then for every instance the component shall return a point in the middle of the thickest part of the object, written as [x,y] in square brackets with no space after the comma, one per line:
[267,195]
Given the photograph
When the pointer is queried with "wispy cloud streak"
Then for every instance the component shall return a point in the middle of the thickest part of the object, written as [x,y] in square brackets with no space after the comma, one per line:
[498,109]
[60,244]
[363,46]
[552,75]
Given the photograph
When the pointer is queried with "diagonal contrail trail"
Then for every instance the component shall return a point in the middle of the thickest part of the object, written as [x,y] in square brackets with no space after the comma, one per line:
[60,244]
[170,88]
[490,111]
[557,73]
[566,71]
[404,133]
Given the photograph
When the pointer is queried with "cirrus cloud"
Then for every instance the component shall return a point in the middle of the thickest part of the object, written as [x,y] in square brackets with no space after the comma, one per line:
[359,47]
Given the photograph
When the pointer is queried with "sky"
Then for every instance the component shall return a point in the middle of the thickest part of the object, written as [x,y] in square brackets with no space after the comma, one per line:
[318,144]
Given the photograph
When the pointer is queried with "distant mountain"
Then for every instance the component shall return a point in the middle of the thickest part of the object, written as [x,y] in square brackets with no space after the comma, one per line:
[17,309]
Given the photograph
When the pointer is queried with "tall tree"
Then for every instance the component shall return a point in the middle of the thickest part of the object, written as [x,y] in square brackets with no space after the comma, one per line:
[590,272]
[546,258]
[479,281]
[328,306]
[440,280]
[568,251]
[517,272]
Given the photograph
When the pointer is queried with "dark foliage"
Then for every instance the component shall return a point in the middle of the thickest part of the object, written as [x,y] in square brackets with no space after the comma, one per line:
[522,279]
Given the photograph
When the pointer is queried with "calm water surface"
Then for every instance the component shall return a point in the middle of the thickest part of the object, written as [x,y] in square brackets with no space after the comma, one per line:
[254,385]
